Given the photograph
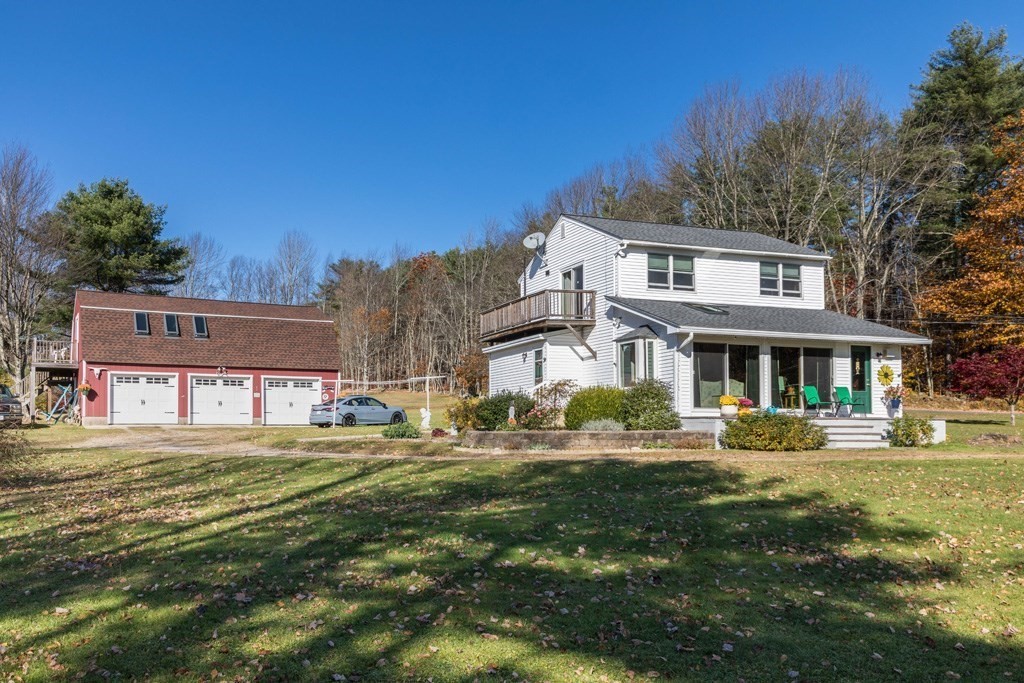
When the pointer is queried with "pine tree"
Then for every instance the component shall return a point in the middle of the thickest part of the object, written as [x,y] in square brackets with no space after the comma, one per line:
[969,87]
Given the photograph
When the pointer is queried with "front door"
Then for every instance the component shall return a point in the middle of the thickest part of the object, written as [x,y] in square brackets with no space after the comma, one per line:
[860,374]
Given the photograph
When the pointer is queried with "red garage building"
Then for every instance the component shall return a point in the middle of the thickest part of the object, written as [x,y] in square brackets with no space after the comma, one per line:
[171,360]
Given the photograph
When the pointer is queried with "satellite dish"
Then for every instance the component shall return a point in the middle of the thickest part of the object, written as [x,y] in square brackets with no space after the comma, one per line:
[535,240]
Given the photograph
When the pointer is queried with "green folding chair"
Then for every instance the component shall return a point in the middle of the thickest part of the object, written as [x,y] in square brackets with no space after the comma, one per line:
[846,399]
[813,402]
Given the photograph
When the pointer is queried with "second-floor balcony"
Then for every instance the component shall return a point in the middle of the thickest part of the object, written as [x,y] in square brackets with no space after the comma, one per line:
[47,353]
[539,312]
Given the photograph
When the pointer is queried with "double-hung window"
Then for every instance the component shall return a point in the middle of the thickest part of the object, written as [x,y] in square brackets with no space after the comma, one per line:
[538,366]
[670,271]
[780,279]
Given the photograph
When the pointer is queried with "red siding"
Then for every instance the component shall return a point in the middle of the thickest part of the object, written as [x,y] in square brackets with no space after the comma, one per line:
[98,400]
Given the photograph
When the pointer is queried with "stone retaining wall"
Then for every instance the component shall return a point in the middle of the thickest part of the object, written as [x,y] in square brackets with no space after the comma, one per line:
[585,441]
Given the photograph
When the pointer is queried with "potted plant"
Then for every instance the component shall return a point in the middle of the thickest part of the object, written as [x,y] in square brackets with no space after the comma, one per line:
[729,405]
[745,405]
[85,389]
[894,395]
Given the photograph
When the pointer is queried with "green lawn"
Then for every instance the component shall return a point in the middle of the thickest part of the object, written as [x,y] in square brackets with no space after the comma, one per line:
[118,564]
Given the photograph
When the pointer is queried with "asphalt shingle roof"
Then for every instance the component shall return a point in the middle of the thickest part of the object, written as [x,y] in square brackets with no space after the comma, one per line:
[797,321]
[683,235]
[240,335]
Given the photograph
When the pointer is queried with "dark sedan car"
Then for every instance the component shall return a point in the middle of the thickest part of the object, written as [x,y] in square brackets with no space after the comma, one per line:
[355,410]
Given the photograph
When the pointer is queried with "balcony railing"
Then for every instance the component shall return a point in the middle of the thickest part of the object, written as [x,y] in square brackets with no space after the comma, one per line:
[46,352]
[549,308]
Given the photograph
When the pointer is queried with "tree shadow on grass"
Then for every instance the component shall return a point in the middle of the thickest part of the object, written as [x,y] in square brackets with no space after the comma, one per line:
[299,569]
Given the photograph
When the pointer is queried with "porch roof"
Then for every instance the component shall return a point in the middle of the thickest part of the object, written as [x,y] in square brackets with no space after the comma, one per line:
[765,321]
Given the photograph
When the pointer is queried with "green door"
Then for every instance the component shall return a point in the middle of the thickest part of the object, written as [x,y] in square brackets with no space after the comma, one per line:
[860,377]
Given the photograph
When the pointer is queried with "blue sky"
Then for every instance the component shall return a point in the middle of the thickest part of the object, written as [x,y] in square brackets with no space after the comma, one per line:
[370,124]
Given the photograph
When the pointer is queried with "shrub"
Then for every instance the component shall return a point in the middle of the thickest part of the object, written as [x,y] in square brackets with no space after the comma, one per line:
[602,425]
[462,414]
[656,445]
[763,431]
[402,430]
[438,433]
[909,432]
[648,405]
[493,410]
[556,395]
[594,403]
[540,418]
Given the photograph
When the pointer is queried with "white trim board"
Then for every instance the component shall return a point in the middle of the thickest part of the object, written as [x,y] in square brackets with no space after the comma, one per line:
[208,315]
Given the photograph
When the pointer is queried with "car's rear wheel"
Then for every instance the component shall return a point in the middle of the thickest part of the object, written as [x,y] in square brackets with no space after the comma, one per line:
[397,419]
[350,420]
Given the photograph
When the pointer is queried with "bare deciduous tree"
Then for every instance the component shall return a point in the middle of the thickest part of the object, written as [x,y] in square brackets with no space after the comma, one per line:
[28,256]
[203,276]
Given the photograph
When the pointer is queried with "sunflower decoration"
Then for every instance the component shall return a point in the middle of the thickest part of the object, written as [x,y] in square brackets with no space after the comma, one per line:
[885,375]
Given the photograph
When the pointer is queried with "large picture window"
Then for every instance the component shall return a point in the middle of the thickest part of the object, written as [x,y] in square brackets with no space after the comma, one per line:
[724,369]
[670,271]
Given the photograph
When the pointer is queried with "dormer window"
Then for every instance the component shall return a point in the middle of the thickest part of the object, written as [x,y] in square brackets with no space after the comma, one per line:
[670,271]
[141,323]
[171,325]
[780,279]
[199,323]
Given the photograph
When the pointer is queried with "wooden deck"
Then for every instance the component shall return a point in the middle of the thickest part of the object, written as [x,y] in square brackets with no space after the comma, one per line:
[546,310]
[52,354]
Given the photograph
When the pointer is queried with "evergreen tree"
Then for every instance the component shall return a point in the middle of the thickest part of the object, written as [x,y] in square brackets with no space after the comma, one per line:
[969,87]
[110,240]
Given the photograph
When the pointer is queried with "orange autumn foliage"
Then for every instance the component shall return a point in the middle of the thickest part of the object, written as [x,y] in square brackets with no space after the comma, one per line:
[989,293]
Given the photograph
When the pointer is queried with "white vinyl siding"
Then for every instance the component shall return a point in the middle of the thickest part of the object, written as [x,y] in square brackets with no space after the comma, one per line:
[725,279]
[568,246]
[511,369]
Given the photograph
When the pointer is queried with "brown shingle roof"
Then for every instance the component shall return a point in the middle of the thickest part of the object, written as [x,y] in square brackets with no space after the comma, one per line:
[241,335]
[176,304]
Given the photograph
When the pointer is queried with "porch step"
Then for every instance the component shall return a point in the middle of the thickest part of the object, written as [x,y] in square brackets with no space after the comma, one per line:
[857,444]
[854,432]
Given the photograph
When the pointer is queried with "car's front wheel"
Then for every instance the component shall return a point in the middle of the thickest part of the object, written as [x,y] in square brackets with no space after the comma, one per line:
[349,420]
[397,418]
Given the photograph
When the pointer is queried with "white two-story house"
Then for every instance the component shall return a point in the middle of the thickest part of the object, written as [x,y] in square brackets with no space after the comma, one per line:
[709,312]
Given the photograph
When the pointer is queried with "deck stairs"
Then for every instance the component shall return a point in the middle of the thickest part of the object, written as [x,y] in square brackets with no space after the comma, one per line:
[854,432]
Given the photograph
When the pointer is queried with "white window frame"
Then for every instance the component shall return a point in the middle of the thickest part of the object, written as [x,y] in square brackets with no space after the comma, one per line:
[538,363]
[781,280]
[645,357]
[671,272]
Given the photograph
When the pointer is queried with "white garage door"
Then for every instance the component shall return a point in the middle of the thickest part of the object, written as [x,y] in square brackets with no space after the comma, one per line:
[287,401]
[143,400]
[221,401]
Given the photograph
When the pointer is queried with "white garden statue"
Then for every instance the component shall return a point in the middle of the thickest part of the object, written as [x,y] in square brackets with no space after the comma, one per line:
[424,418]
